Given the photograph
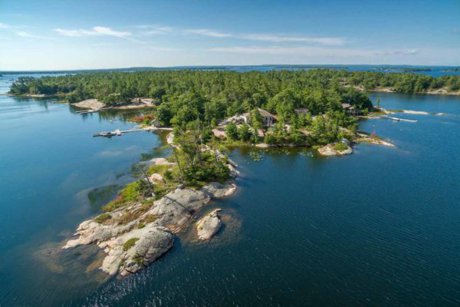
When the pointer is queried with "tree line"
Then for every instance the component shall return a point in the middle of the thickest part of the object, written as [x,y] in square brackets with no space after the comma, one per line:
[202,98]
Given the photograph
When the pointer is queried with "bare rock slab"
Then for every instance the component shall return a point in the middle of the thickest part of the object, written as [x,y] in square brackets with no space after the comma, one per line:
[209,225]
[219,190]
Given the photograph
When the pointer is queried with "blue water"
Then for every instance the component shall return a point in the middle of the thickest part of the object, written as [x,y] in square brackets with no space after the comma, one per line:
[379,227]
[49,161]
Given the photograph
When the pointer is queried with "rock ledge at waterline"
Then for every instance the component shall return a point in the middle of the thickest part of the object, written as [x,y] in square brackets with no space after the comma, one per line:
[132,246]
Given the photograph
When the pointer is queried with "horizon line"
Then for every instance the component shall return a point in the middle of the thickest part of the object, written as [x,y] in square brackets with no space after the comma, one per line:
[216,66]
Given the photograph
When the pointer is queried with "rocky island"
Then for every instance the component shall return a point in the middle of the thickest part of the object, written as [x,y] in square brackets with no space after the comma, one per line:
[133,245]
[209,111]
[133,234]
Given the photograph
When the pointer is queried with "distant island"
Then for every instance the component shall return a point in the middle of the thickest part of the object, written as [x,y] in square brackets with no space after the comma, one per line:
[208,111]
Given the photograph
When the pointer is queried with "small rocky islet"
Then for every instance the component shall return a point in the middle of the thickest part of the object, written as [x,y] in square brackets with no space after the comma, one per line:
[134,236]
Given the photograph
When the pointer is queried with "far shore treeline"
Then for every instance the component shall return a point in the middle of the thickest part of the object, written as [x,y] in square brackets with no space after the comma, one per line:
[111,87]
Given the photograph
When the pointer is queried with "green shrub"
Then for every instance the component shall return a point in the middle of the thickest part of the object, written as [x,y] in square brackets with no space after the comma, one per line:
[131,215]
[132,192]
[102,218]
[130,243]
[340,146]
[232,131]
[168,175]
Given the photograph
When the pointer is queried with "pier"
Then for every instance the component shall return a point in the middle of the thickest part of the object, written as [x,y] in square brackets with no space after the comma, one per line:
[118,132]
[400,119]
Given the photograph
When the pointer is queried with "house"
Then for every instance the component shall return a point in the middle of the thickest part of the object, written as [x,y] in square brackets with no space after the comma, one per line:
[268,119]
[351,110]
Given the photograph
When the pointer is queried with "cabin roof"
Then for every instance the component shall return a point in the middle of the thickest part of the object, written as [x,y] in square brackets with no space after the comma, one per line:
[265,113]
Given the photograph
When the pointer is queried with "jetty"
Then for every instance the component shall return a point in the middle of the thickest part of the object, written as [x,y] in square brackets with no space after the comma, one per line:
[399,119]
[118,132]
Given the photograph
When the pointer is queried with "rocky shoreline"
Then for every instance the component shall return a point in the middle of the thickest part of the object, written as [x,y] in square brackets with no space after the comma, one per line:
[132,246]
[331,150]
[95,105]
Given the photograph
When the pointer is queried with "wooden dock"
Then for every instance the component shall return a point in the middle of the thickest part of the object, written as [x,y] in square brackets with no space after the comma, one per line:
[399,119]
[118,132]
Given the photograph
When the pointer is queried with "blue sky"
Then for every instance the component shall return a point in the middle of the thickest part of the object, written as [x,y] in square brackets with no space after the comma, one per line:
[64,34]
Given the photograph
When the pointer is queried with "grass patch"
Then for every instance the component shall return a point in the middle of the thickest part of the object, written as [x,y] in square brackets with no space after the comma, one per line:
[160,169]
[103,218]
[139,260]
[132,215]
[148,219]
[340,146]
[161,190]
[130,243]
[132,192]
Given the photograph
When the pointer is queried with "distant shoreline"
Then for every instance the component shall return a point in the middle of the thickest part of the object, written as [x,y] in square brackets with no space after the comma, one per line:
[404,67]
[438,92]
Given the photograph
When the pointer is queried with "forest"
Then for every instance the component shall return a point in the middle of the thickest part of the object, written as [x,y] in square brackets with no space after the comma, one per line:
[203,98]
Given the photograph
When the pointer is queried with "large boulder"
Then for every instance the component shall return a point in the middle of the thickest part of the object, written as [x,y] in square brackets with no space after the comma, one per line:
[152,244]
[91,231]
[219,190]
[136,249]
[160,161]
[177,207]
[209,225]
[92,104]
[331,150]
[156,178]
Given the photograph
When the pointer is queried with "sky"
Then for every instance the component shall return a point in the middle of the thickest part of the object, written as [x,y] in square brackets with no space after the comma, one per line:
[90,34]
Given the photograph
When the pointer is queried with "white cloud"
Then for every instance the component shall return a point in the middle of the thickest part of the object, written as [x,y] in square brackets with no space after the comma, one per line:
[30,35]
[333,41]
[207,32]
[153,30]
[273,38]
[95,31]
[156,30]
[110,32]
[4,26]
[397,52]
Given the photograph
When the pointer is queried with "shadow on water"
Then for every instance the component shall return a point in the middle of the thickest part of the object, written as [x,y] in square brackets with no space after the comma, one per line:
[98,197]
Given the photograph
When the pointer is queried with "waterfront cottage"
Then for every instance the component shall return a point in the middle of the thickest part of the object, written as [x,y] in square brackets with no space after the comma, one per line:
[268,119]
[351,110]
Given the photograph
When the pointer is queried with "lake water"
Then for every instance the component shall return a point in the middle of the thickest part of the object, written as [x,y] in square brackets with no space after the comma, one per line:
[380,227]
